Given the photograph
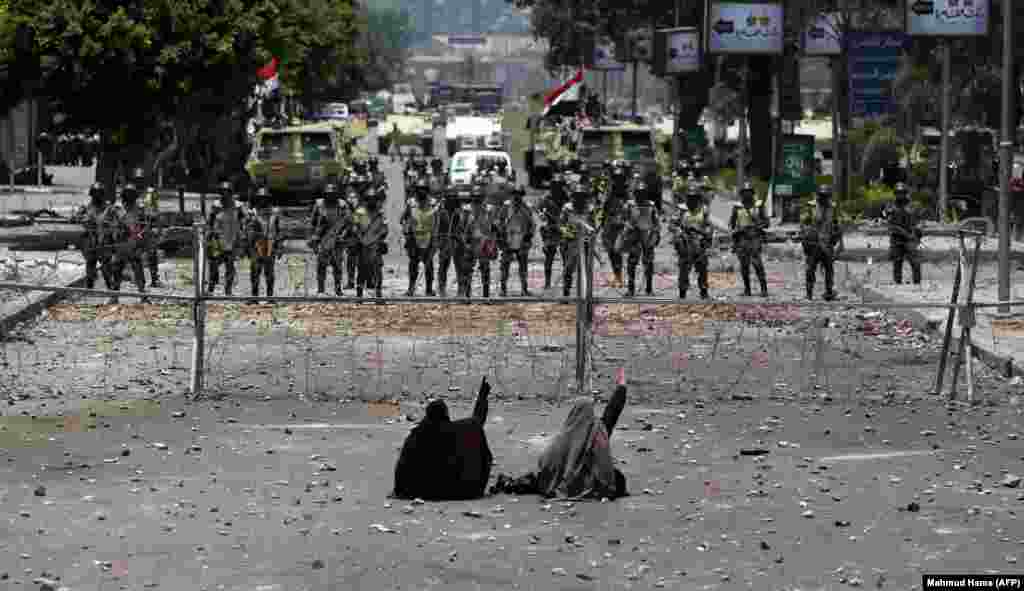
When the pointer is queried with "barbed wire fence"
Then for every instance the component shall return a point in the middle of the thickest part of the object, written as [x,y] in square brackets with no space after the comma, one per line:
[326,348]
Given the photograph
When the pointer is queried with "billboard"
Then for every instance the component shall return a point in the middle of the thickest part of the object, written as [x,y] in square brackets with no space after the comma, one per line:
[744,29]
[604,57]
[824,36]
[874,61]
[677,51]
[948,18]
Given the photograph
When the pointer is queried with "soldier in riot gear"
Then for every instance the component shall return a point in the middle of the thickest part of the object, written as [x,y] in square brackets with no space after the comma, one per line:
[515,227]
[331,224]
[692,238]
[479,238]
[613,216]
[353,200]
[640,237]
[550,232]
[371,231]
[577,210]
[151,203]
[227,226]
[419,223]
[90,216]
[904,237]
[748,222]
[821,234]
[448,233]
[131,225]
[266,239]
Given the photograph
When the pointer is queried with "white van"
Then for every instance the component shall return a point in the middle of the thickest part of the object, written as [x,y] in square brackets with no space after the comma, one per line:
[465,164]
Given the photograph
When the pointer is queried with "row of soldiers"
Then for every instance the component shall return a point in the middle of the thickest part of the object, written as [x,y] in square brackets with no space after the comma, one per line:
[71,150]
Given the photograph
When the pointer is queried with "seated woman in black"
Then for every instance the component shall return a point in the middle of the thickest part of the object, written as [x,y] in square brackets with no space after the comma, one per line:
[445,460]
[578,463]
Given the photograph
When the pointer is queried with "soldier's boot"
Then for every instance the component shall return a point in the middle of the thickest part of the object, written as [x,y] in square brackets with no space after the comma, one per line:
[523,275]
[897,270]
[702,282]
[414,274]
[915,270]
[810,290]
[485,278]
[255,284]
[339,281]
[351,269]
[154,275]
[830,293]
[504,279]
[631,287]
[746,284]
[649,277]
[764,286]
[549,264]
[566,285]
[442,283]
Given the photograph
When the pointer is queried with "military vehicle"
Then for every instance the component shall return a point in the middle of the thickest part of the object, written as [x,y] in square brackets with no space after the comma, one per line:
[631,143]
[544,148]
[294,162]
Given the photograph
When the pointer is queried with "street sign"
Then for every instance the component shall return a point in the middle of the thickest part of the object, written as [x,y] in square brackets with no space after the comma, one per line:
[740,28]
[874,62]
[948,18]
[676,51]
[467,40]
[796,166]
[824,36]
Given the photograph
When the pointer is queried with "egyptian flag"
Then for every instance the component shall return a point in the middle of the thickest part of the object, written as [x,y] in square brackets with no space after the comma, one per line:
[269,75]
[564,100]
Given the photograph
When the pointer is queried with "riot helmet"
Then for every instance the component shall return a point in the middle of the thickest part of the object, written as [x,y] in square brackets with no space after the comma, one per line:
[129,193]
[747,194]
[331,192]
[97,192]
[902,194]
[825,193]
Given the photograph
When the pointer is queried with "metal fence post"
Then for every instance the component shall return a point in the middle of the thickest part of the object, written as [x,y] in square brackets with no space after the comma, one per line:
[581,310]
[198,308]
[590,310]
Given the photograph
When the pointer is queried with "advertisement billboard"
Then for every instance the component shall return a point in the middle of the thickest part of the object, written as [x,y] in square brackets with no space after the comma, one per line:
[677,51]
[824,36]
[744,29]
[948,18]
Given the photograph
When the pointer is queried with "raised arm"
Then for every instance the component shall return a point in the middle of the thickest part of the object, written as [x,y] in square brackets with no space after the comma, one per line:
[480,408]
[613,411]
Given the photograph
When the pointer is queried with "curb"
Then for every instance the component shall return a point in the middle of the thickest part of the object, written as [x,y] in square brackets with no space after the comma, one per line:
[33,309]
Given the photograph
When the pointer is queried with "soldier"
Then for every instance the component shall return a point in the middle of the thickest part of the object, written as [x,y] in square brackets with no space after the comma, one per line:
[613,217]
[151,203]
[577,210]
[821,234]
[747,223]
[90,216]
[479,237]
[640,237]
[515,231]
[904,237]
[550,232]
[227,224]
[371,233]
[353,200]
[266,238]
[448,237]
[419,223]
[692,238]
[130,225]
[680,178]
[331,222]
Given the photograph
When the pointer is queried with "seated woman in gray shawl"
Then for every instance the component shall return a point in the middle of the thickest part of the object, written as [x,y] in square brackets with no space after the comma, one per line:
[578,463]
[446,460]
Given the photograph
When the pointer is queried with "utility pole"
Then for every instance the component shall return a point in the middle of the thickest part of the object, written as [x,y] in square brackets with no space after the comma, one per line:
[946,124]
[1006,156]
[675,84]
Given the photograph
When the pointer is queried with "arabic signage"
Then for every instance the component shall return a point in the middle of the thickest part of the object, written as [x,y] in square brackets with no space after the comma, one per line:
[796,166]
[604,57]
[744,29]
[948,18]
[824,36]
[874,60]
[679,50]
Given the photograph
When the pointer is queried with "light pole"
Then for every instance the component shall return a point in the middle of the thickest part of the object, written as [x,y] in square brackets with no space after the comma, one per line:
[1006,157]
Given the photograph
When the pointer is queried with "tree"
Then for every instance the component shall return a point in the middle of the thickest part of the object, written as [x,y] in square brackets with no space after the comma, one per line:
[388,35]
[125,69]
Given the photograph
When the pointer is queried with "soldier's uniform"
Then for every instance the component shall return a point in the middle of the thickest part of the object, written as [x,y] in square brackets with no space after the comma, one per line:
[357,195]
[419,223]
[479,238]
[515,227]
[691,236]
[331,224]
[550,232]
[131,224]
[227,226]
[90,216]
[747,224]
[821,234]
[904,237]
[151,203]
[578,209]
[640,237]
[266,238]
[613,218]
[448,236]
[371,231]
